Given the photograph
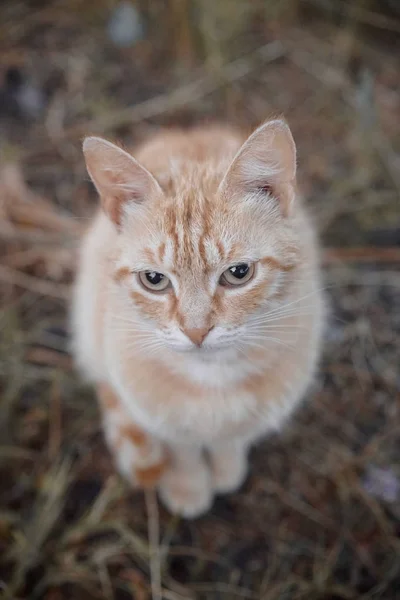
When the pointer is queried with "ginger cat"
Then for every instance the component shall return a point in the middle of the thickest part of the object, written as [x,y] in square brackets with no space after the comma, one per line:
[197,310]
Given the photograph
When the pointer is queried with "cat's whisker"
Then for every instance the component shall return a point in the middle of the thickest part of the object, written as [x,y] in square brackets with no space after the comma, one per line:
[241,350]
[298,311]
[263,337]
[259,414]
[279,318]
[282,310]
[132,338]
[258,326]
[315,292]
[263,334]
[290,312]
[136,332]
[290,305]
[265,340]
[142,343]
[127,320]
[251,340]
[145,351]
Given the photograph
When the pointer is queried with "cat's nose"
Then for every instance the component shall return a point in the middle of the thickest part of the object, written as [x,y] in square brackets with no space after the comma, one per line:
[197,335]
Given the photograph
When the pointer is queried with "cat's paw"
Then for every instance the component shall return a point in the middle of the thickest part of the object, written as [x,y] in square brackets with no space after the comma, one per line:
[186,493]
[228,471]
[148,477]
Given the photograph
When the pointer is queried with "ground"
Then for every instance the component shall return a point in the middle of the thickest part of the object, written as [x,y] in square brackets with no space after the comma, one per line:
[318,518]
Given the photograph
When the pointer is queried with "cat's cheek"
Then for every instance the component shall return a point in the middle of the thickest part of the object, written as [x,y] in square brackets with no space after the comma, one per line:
[153,308]
[238,305]
[275,283]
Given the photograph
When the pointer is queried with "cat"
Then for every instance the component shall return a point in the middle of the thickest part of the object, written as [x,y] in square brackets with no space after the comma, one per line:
[197,309]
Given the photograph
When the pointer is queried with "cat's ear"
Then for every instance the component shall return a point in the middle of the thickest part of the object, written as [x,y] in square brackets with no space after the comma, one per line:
[266,163]
[119,179]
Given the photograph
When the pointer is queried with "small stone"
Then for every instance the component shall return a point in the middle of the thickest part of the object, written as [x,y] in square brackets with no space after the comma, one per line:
[31,100]
[382,483]
[334,333]
[125,27]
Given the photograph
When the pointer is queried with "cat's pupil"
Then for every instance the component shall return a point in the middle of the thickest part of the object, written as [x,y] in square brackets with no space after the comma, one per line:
[154,278]
[239,271]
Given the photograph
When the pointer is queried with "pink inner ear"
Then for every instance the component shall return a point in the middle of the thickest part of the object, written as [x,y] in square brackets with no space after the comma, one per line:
[118,177]
[112,206]
[266,162]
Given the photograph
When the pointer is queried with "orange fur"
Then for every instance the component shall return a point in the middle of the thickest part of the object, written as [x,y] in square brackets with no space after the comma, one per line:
[197,364]
[128,433]
[150,476]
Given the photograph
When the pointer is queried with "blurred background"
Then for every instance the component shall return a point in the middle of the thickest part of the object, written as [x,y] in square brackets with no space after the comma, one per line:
[319,515]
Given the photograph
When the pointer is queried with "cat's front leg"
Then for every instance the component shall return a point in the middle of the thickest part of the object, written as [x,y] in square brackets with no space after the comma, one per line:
[229,465]
[185,487]
[141,459]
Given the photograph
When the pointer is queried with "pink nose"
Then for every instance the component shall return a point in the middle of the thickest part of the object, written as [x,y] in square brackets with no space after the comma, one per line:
[197,335]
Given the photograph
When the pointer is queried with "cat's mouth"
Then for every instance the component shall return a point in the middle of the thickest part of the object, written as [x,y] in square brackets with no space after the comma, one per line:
[204,351]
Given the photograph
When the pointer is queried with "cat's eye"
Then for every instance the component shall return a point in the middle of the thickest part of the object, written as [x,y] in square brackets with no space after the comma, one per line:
[154,281]
[237,274]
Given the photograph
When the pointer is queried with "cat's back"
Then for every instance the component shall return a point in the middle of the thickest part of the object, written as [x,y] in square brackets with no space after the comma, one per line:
[205,144]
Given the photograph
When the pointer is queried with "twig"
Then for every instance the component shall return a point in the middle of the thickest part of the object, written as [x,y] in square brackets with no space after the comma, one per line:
[44,217]
[386,154]
[55,422]
[362,254]
[25,207]
[34,284]
[154,543]
[363,15]
[49,358]
[23,258]
[225,588]
[188,93]
[27,236]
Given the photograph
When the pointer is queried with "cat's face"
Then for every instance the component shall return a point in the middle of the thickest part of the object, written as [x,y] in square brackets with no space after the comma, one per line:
[200,261]
[197,280]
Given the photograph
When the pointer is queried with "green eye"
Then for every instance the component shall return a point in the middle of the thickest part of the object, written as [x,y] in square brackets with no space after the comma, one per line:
[154,281]
[237,274]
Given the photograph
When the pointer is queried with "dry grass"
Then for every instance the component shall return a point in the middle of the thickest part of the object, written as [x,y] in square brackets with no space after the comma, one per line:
[319,515]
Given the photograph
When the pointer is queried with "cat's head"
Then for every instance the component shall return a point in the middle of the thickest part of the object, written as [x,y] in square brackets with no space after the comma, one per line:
[203,254]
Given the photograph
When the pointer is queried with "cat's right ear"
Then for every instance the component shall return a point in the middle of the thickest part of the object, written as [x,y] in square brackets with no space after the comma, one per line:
[266,164]
[119,179]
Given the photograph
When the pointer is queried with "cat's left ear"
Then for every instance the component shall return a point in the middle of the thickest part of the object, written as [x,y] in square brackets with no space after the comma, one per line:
[119,179]
[265,163]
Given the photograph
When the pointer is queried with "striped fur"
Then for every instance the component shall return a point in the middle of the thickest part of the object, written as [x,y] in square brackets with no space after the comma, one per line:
[190,205]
